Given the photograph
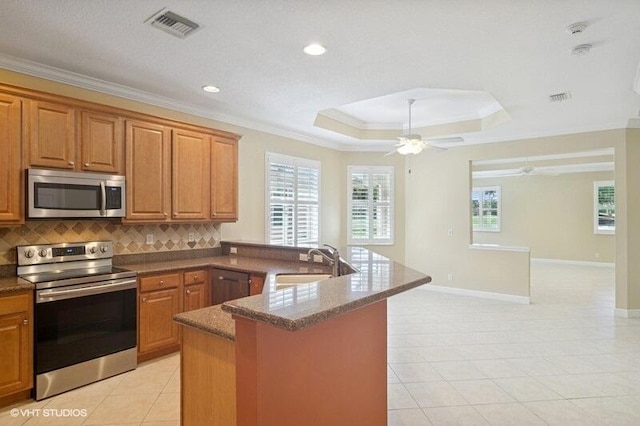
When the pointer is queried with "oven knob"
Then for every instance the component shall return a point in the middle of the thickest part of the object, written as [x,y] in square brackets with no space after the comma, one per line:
[92,250]
[104,249]
[43,253]
[28,253]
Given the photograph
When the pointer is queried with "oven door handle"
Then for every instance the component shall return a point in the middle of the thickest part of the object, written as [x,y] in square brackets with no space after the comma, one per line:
[55,294]
[103,193]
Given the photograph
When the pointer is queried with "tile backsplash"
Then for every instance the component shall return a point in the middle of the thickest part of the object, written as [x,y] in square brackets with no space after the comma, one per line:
[127,239]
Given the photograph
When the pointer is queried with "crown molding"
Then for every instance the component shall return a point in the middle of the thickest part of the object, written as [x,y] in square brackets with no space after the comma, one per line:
[58,75]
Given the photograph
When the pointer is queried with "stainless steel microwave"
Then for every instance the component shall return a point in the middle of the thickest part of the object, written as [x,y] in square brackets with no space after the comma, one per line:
[58,194]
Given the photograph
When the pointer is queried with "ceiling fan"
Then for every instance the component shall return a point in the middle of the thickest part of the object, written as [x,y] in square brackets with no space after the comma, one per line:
[526,170]
[414,144]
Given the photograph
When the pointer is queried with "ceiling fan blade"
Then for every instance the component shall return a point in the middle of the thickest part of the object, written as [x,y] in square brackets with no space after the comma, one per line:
[435,148]
[454,139]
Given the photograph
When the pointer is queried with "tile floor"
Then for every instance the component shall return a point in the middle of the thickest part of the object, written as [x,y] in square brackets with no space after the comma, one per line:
[453,360]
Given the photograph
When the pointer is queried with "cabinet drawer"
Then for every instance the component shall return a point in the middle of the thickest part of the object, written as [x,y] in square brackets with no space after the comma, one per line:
[15,303]
[156,282]
[195,277]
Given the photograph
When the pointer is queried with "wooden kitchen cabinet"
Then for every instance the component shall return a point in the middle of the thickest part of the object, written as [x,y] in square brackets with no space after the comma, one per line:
[11,176]
[148,162]
[159,300]
[101,148]
[195,290]
[52,135]
[256,284]
[16,348]
[190,175]
[224,179]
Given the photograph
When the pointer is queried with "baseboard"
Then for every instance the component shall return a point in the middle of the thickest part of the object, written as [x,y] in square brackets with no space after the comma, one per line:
[573,262]
[627,313]
[476,293]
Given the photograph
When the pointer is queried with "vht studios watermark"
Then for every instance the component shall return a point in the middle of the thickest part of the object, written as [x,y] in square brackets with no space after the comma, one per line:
[49,412]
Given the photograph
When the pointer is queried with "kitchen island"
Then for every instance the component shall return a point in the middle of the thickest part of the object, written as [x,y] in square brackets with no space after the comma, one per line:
[312,354]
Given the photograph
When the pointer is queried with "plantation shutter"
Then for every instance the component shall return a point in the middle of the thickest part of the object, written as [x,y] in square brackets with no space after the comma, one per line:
[370,199]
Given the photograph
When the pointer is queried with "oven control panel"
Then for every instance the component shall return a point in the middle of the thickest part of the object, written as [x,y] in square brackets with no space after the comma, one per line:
[64,252]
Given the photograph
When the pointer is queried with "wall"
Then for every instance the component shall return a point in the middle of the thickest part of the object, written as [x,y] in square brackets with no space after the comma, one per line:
[552,215]
[437,199]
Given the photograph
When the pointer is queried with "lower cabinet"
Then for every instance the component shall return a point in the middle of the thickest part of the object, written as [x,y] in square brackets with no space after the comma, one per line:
[228,285]
[16,346]
[158,301]
[195,290]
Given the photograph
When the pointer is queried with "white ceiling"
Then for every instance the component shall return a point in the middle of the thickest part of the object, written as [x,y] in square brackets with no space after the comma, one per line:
[516,50]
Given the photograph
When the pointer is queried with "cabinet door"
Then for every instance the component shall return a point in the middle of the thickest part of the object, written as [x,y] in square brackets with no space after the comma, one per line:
[157,329]
[194,297]
[52,135]
[16,350]
[147,150]
[224,179]
[190,175]
[101,146]
[11,186]
[228,285]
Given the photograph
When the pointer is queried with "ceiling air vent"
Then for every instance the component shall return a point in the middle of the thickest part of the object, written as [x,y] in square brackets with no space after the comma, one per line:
[173,24]
[560,97]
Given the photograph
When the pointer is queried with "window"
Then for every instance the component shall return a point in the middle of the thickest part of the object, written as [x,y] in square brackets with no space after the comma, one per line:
[485,209]
[293,200]
[604,207]
[370,197]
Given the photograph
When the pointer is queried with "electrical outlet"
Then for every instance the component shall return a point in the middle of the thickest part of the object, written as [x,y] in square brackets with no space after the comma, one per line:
[450,277]
[303,257]
[150,239]
[317,258]
[192,237]
[450,232]
[233,250]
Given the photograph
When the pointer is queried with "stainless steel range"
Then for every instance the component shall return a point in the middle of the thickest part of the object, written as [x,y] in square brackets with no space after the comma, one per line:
[85,314]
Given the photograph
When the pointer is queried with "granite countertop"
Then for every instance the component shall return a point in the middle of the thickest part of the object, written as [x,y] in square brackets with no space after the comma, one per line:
[13,285]
[231,262]
[300,306]
[303,305]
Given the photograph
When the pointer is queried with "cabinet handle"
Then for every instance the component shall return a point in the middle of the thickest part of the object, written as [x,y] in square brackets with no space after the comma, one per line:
[161,283]
[195,278]
[165,214]
[25,322]
[188,291]
[175,214]
[87,164]
[144,299]
[71,163]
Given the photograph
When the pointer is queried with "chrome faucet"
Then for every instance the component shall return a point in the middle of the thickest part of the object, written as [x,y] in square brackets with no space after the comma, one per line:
[334,260]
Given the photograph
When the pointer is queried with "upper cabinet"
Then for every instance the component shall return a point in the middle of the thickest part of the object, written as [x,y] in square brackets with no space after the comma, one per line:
[101,147]
[190,175]
[224,179]
[11,176]
[52,135]
[55,142]
[148,151]
[174,171]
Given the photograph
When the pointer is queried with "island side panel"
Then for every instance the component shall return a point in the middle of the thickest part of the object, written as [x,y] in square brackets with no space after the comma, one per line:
[333,373]
[208,379]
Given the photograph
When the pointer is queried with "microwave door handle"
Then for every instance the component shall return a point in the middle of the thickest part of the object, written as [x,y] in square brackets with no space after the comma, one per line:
[103,192]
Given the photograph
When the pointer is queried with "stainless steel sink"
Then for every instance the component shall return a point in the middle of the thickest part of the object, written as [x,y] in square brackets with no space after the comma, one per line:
[289,280]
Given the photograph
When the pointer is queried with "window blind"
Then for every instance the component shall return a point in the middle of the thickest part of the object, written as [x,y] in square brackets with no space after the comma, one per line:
[370,196]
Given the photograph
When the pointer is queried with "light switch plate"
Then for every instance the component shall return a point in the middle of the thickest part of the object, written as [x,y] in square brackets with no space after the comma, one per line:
[233,250]
[303,257]
[317,258]
[150,239]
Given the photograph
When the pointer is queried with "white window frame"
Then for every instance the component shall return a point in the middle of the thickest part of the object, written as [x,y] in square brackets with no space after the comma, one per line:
[371,240]
[484,189]
[597,229]
[271,157]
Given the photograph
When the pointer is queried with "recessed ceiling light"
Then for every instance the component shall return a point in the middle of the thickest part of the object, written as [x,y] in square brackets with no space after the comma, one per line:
[314,49]
[211,89]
